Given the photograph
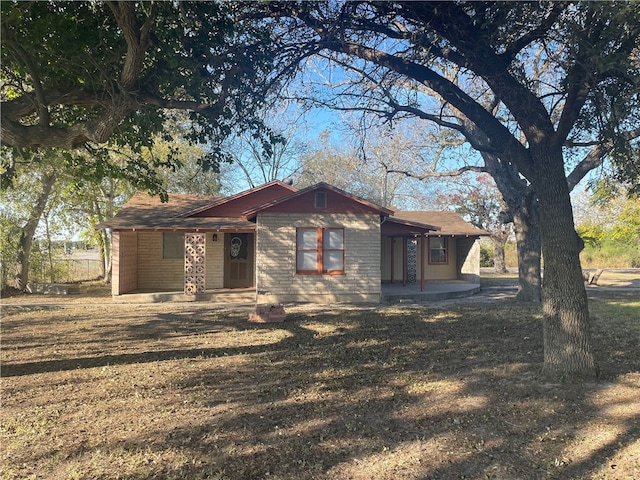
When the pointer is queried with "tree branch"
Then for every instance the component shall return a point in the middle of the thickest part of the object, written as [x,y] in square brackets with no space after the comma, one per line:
[579,86]
[458,98]
[40,104]
[449,173]
[136,38]
[26,105]
[595,158]
[538,32]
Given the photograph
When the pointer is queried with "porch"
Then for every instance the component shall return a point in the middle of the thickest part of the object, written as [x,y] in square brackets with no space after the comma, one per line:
[390,293]
[217,296]
[433,291]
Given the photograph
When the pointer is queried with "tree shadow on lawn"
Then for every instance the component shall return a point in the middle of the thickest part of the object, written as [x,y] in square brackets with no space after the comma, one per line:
[99,336]
[402,397]
[399,394]
[374,394]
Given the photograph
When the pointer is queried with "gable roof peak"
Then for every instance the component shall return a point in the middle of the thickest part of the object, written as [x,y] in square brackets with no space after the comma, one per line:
[239,195]
[320,185]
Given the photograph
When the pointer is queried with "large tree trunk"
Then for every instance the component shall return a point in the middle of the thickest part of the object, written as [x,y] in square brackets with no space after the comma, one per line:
[566,325]
[527,229]
[27,232]
[499,263]
[522,210]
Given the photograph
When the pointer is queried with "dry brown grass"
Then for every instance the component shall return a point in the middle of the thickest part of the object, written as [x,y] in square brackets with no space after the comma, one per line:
[190,391]
[608,278]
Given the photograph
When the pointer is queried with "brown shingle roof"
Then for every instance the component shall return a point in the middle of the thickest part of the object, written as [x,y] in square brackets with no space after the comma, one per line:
[143,211]
[450,223]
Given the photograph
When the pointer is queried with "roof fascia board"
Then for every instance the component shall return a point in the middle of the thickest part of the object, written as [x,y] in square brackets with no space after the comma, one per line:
[186,229]
[410,223]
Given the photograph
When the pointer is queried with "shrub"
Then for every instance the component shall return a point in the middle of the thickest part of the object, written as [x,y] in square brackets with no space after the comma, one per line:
[486,256]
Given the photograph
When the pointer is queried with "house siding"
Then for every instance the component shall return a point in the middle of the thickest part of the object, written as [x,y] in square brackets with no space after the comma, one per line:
[276,277]
[124,262]
[157,273]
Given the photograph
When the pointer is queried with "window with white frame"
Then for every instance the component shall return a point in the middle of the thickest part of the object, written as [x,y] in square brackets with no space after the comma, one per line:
[320,250]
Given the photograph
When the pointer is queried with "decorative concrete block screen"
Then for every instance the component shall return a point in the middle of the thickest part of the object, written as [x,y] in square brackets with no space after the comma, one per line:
[194,263]
[412,260]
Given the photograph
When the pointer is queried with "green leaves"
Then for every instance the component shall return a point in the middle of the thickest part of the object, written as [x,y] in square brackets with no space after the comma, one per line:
[84,73]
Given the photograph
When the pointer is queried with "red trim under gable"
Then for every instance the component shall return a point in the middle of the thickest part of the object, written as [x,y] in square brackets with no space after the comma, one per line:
[235,205]
[303,201]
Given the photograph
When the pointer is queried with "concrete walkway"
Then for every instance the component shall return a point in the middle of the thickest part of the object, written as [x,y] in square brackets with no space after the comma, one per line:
[396,293]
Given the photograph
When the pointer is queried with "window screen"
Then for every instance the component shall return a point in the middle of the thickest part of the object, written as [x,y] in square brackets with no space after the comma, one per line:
[437,250]
[320,250]
[172,245]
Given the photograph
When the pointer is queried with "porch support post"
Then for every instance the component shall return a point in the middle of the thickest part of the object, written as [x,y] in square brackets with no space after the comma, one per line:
[404,261]
[393,252]
[194,263]
[422,263]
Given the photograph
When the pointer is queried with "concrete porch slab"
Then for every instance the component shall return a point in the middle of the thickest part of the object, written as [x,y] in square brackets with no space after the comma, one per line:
[396,293]
[391,293]
[220,296]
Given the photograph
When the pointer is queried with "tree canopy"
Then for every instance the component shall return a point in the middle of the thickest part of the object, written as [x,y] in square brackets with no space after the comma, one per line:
[575,67]
[80,74]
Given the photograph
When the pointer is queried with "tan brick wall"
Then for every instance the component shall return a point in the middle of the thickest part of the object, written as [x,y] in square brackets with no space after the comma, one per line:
[215,261]
[448,271]
[125,266]
[276,278]
[168,274]
[155,272]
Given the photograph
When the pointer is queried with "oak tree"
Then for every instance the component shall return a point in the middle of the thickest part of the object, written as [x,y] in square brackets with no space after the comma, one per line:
[588,98]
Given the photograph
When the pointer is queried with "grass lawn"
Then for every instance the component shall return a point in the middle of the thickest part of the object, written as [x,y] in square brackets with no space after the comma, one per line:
[189,391]
[609,278]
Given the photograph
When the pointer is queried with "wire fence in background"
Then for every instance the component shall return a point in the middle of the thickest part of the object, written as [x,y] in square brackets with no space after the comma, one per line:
[66,270]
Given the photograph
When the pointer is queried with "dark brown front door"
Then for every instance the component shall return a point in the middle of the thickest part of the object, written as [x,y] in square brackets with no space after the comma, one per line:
[238,263]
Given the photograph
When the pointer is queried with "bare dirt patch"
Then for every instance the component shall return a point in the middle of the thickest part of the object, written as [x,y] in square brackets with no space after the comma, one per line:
[94,390]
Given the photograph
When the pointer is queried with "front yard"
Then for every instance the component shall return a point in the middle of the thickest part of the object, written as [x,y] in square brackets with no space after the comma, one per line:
[191,391]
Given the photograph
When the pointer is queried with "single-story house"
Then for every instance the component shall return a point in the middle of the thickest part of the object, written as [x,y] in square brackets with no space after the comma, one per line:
[318,244]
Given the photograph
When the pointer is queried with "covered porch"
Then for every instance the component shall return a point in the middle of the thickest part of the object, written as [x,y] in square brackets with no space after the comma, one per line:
[179,262]
[420,258]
